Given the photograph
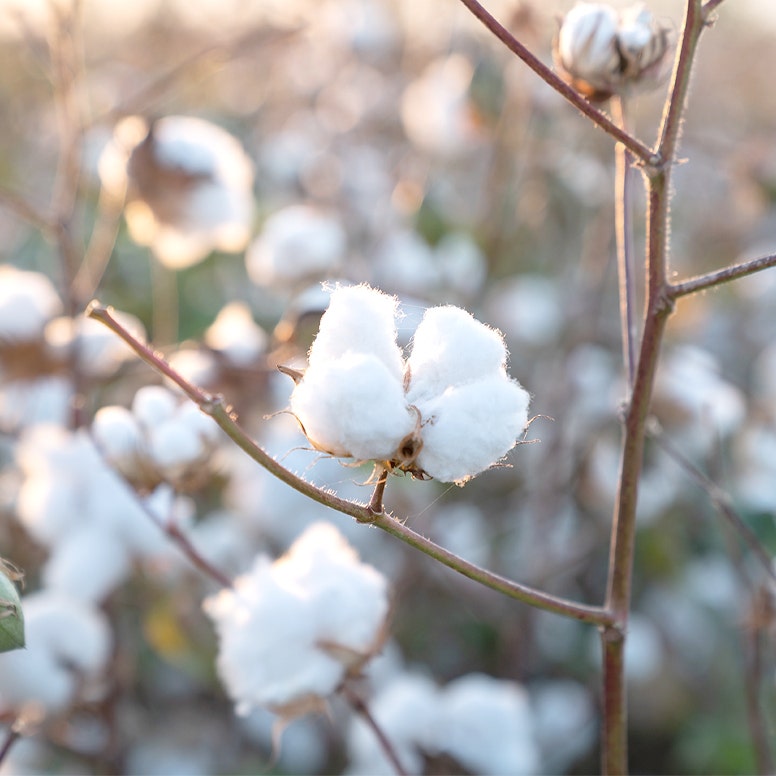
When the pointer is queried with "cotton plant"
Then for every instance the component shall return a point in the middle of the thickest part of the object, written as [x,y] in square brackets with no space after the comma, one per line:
[293,630]
[449,411]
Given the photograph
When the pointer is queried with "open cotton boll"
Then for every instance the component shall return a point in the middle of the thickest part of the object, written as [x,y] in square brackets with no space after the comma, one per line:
[363,320]
[297,242]
[88,565]
[353,407]
[67,641]
[118,436]
[173,445]
[236,335]
[470,427]
[152,405]
[28,300]
[277,647]
[486,725]
[451,347]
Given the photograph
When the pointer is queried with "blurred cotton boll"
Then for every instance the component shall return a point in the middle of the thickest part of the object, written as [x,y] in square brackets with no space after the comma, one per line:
[291,631]
[236,336]
[68,646]
[483,724]
[296,245]
[437,114]
[188,186]
[92,524]
[163,438]
[602,51]
[28,301]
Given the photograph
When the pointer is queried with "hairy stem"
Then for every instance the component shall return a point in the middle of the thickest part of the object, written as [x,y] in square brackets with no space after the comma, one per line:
[215,407]
[658,308]
[726,275]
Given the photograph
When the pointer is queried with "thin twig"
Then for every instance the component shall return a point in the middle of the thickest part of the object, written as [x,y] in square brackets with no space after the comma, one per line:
[710,6]
[216,408]
[376,502]
[11,738]
[636,147]
[360,707]
[14,202]
[704,282]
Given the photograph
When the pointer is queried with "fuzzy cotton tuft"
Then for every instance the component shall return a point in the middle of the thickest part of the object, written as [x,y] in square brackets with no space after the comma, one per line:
[291,631]
[449,412]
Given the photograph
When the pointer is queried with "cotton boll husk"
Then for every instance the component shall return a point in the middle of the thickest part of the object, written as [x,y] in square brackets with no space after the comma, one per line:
[153,405]
[470,427]
[450,347]
[353,406]
[87,565]
[362,320]
[62,634]
[486,725]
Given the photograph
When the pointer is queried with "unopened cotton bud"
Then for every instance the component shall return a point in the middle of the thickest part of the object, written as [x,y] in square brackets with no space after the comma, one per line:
[587,44]
[602,52]
[11,616]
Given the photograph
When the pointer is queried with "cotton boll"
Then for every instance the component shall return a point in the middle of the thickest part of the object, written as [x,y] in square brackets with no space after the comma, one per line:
[66,641]
[296,243]
[236,335]
[277,646]
[405,710]
[486,725]
[353,406]
[450,347]
[153,405]
[28,301]
[362,320]
[469,428]
[87,565]
[173,446]
[118,436]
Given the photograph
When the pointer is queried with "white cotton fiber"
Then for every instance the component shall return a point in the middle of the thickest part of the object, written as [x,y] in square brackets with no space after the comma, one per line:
[470,427]
[152,405]
[450,347]
[353,406]
[286,629]
[361,320]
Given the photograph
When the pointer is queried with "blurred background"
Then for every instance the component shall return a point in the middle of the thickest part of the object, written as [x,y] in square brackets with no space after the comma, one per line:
[392,142]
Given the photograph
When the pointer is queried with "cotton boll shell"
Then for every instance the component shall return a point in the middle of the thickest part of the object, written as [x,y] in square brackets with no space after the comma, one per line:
[353,407]
[362,320]
[450,347]
[469,428]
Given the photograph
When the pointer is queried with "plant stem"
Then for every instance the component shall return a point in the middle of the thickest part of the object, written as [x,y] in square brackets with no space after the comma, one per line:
[215,407]
[11,738]
[359,706]
[658,308]
[638,149]
[704,282]
[624,238]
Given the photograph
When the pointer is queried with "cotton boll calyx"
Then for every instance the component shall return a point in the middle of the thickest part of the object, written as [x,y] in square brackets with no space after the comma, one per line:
[290,632]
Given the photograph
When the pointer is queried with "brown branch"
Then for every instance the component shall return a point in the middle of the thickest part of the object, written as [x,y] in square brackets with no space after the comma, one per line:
[216,408]
[636,147]
[704,282]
